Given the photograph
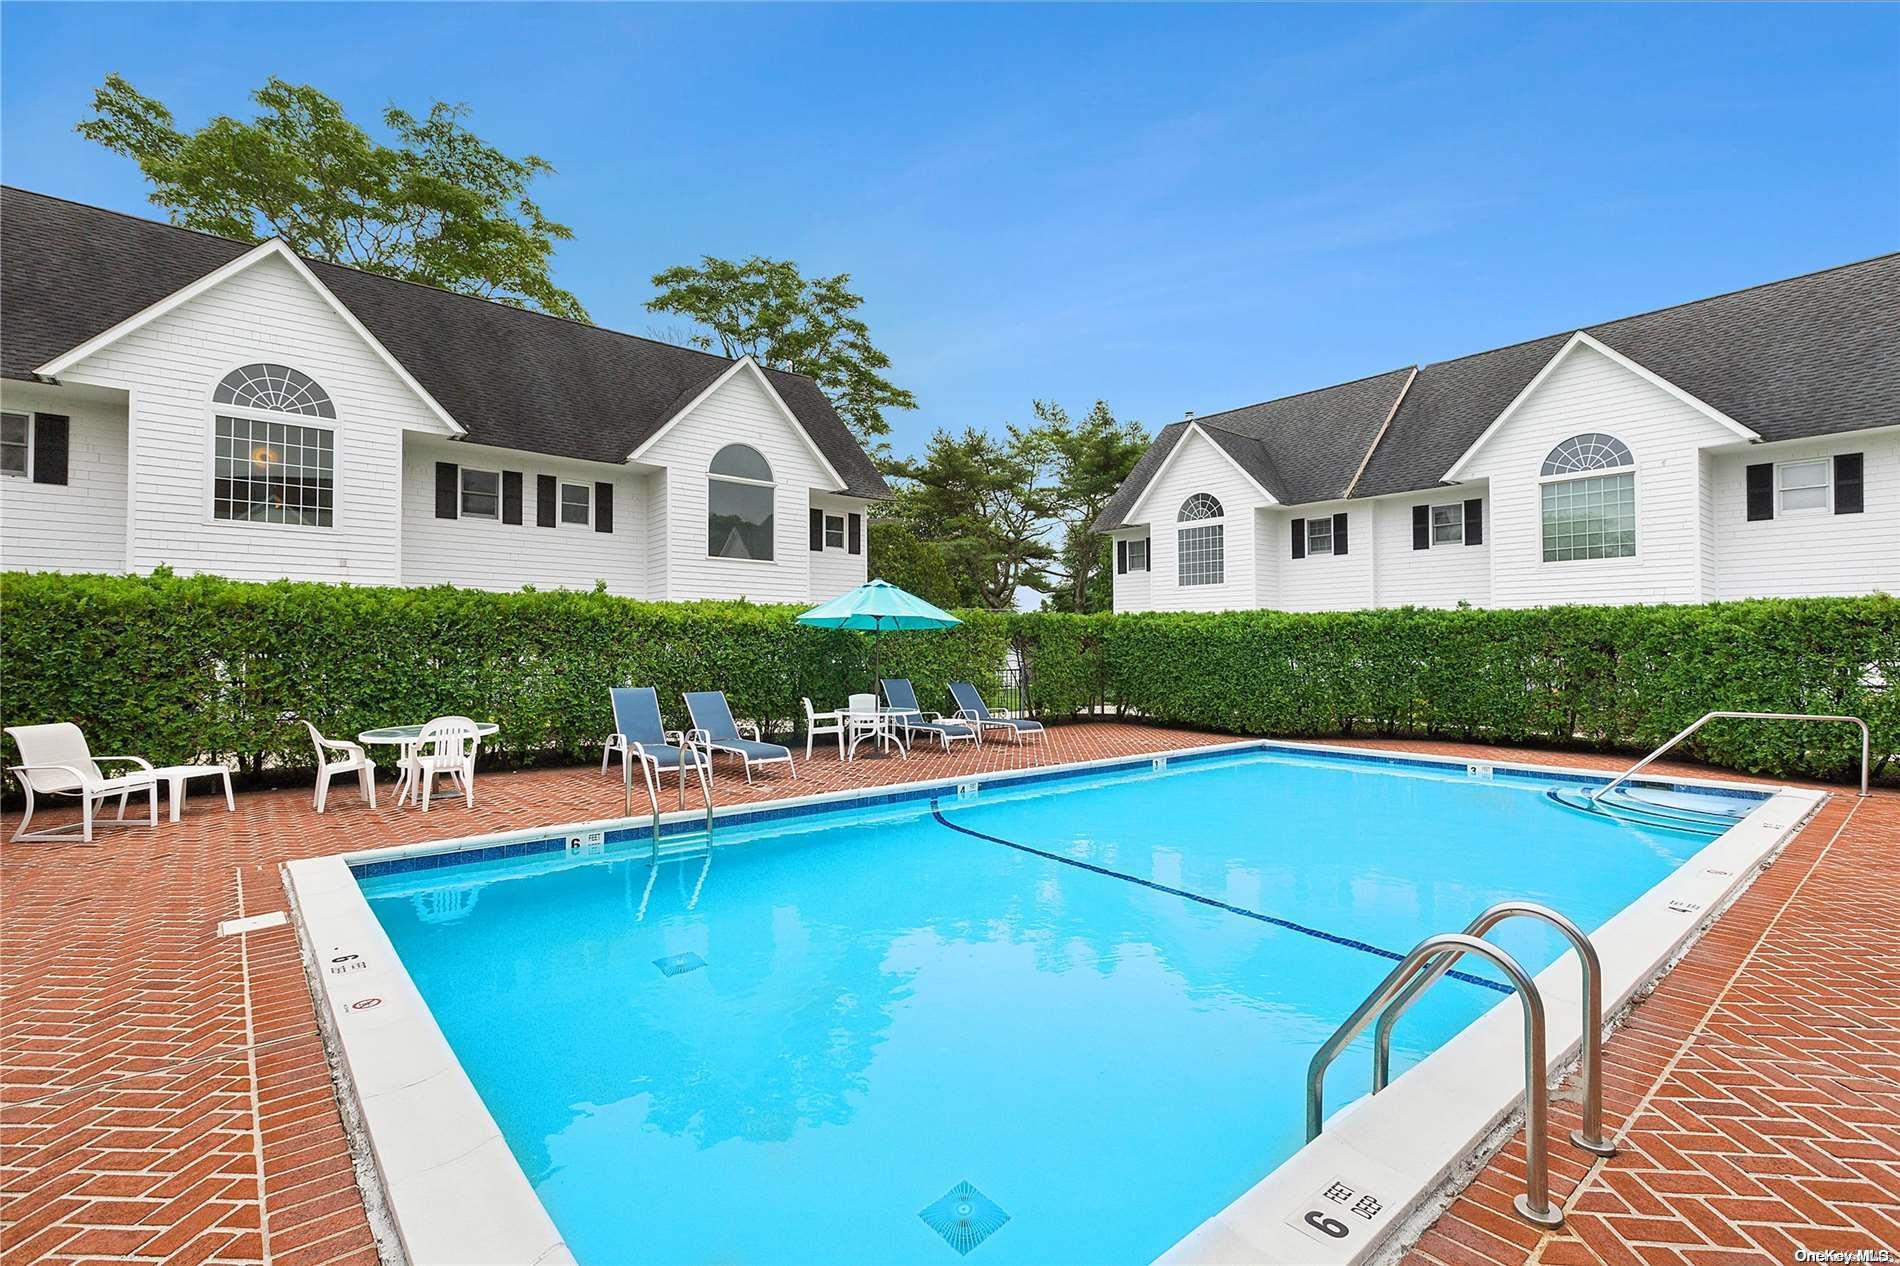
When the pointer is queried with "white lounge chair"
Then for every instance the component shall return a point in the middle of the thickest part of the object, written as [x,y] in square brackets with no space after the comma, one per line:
[353,761]
[822,724]
[447,745]
[55,761]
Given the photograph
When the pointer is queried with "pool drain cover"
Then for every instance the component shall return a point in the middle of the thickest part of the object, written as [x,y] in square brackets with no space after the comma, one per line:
[965,1217]
[676,964]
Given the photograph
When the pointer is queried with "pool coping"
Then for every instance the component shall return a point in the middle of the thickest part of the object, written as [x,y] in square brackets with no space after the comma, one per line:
[449,1190]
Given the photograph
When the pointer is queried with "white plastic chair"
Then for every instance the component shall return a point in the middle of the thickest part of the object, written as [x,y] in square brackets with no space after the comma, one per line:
[823,723]
[865,720]
[447,745]
[55,761]
[353,761]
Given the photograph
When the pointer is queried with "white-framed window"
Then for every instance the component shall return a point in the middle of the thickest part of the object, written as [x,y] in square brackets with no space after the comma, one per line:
[1589,499]
[16,444]
[834,531]
[273,448]
[481,494]
[1803,486]
[1200,542]
[577,504]
[740,500]
[1319,535]
[1138,554]
[1448,524]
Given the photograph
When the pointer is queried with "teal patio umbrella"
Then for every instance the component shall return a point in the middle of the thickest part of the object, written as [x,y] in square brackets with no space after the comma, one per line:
[875,607]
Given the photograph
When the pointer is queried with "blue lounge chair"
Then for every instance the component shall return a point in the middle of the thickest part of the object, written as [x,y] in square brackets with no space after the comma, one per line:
[716,731]
[640,735]
[970,707]
[914,720]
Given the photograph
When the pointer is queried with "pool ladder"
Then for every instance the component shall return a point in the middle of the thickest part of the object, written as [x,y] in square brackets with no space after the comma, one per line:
[1430,960]
[702,761]
[1865,742]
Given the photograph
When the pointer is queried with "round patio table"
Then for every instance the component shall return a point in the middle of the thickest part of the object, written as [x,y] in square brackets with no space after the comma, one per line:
[403,738]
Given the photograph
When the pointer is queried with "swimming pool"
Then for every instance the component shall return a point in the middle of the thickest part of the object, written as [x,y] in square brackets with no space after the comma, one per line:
[1066,1020]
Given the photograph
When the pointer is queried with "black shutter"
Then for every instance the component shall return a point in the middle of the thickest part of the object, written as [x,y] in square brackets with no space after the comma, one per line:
[603,507]
[817,530]
[1299,538]
[1474,521]
[1421,527]
[1761,491]
[511,496]
[1121,558]
[1339,533]
[448,480]
[547,490]
[52,442]
[854,533]
[1848,495]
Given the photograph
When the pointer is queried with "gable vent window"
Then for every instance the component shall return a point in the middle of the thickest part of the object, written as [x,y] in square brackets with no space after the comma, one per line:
[1588,498]
[273,448]
[739,504]
[1201,542]
[16,443]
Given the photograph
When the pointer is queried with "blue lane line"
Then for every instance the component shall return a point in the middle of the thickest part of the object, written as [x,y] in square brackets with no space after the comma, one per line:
[1245,913]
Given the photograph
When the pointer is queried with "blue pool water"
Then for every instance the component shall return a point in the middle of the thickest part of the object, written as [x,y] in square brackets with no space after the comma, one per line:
[800,1046]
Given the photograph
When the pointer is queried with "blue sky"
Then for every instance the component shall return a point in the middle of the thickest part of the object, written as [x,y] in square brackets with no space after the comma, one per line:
[1172,208]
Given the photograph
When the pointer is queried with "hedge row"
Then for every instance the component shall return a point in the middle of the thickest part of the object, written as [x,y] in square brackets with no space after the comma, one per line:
[202,668]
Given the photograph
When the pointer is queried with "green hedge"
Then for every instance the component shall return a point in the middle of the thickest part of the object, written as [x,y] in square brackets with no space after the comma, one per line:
[1609,678]
[203,668]
[192,669]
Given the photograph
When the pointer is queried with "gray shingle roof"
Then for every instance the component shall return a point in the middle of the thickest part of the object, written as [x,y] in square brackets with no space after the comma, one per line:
[514,379]
[1817,354]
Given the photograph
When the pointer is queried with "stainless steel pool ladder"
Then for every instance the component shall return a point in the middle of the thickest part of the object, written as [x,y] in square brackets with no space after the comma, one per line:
[700,763]
[1427,963]
[1866,743]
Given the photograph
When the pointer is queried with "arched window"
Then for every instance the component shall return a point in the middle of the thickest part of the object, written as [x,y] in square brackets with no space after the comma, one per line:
[739,504]
[273,448]
[1589,499]
[1200,542]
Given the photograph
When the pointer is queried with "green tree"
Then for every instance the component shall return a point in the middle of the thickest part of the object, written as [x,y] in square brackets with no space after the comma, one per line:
[909,561]
[441,206]
[1091,458]
[985,500]
[766,309]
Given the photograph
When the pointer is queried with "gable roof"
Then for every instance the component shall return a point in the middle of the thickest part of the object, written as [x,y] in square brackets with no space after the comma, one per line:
[512,378]
[1817,354]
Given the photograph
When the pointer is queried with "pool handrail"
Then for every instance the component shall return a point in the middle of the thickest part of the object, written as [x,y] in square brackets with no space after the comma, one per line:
[1866,742]
[1534,1205]
[1590,1136]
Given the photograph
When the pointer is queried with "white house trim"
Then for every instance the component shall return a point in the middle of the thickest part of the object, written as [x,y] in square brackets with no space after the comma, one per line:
[1583,339]
[778,401]
[1154,480]
[274,248]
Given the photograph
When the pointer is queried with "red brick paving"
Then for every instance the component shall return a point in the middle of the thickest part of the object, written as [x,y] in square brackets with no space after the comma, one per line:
[150,1072]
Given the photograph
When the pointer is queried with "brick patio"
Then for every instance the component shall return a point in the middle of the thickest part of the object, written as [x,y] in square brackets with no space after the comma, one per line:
[164,1096]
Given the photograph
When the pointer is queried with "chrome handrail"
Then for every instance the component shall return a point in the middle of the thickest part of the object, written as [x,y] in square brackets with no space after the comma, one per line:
[635,754]
[1590,1137]
[1534,1205]
[1866,742]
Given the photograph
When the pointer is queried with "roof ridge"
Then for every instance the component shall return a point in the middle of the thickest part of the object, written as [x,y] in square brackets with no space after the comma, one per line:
[407,281]
[1295,395]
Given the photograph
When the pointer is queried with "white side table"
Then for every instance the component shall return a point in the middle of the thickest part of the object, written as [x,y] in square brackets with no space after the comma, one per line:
[175,776]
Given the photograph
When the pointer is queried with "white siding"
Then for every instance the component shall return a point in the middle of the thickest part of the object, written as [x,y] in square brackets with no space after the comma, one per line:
[78,525]
[653,509]
[738,412]
[1131,588]
[490,554]
[1326,582]
[836,570]
[265,313]
[1590,392]
[1441,576]
[1197,466]
[1811,553]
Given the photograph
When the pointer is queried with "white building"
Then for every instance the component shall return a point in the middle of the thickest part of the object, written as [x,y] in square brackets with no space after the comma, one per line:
[173,398]
[1742,446]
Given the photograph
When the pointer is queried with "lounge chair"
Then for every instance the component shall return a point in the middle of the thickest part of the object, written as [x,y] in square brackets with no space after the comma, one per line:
[970,707]
[912,719]
[351,760]
[56,761]
[640,734]
[716,731]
